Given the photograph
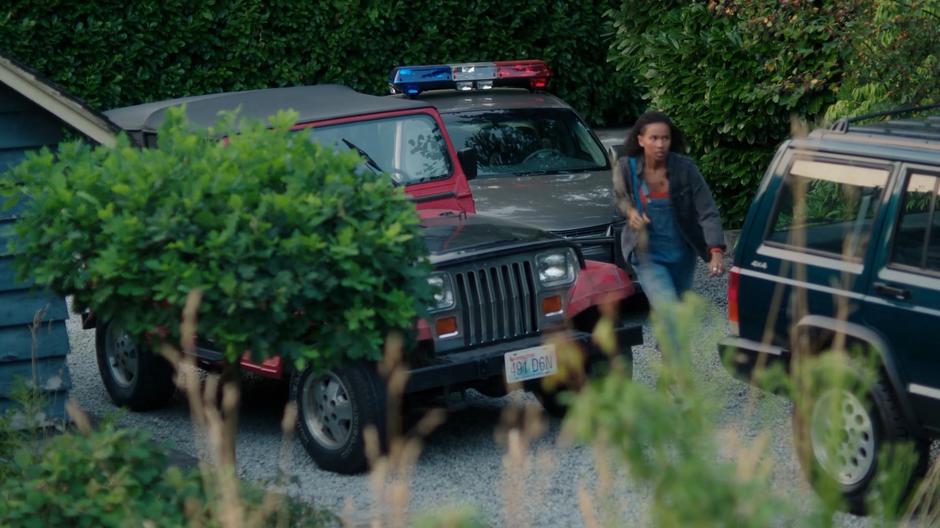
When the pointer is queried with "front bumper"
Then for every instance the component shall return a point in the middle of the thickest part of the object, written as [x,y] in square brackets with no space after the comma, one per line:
[463,368]
[742,357]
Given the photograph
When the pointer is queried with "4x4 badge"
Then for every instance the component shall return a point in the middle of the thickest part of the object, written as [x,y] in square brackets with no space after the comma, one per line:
[759,264]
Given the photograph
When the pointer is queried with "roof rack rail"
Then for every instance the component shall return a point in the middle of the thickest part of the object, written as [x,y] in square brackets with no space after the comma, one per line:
[842,125]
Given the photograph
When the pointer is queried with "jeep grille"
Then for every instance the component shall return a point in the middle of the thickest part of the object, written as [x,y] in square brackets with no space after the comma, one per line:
[497,302]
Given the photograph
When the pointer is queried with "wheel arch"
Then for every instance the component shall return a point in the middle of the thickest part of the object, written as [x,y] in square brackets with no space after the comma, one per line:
[821,330]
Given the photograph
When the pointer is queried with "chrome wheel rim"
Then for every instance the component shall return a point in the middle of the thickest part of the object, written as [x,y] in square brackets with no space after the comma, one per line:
[122,354]
[327,410]
[843,446]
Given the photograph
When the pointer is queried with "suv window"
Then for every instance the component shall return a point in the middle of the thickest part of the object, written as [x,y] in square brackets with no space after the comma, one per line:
[410,148]
[917,239]
[828,207]
[513,142]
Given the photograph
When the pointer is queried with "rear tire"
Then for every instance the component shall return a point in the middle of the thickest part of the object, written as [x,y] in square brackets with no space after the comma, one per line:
[334,408]
[132,374]
[870,424]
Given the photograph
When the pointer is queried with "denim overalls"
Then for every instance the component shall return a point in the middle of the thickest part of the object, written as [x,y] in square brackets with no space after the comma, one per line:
[666,268]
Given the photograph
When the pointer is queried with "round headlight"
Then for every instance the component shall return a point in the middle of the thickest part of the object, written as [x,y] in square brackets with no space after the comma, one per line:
[555,268]
[443,293]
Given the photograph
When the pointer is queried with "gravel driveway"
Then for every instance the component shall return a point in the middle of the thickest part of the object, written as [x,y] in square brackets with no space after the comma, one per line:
[462,461]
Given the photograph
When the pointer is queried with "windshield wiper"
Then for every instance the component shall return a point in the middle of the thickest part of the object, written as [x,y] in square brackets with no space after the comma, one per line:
[369,161]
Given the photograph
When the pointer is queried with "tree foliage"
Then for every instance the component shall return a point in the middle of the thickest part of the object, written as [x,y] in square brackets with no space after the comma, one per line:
[118,53]
[895,58]
[298,252]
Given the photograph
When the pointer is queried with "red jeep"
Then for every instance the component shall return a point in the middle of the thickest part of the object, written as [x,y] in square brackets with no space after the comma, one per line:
[501,287]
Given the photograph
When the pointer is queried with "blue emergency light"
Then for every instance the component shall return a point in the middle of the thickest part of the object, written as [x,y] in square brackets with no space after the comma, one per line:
[412,80]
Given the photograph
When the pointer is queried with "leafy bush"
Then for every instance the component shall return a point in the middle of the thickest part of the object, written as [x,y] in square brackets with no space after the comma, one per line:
[108,478]
[297,252]
[895,58]
[116,477]
[732,74]
[114,53]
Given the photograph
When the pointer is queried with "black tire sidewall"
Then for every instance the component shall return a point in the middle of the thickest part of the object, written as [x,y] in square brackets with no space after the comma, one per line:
[367,399]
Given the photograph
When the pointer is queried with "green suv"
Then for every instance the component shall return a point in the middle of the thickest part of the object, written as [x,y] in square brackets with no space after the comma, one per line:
[841,250]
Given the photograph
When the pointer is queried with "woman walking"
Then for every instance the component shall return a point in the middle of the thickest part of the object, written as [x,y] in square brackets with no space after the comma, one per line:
[671,215]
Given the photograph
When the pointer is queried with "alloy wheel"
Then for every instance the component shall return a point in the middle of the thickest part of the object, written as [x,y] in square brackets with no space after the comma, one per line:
[327,409]
[843,436]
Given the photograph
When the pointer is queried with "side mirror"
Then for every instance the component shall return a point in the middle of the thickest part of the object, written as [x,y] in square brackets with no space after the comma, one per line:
[468,162]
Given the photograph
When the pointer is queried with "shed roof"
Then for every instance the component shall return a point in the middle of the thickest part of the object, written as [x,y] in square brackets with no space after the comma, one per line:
[57,101]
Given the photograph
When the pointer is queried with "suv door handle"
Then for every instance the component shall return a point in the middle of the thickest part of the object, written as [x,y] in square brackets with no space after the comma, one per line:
[890,291]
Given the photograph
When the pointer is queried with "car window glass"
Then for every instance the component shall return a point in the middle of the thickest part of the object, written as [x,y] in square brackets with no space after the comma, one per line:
[828,207]
[513,142]
[917,237]
[409,148]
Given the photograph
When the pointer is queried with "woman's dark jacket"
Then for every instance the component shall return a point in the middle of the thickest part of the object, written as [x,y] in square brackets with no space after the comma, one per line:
[692,201]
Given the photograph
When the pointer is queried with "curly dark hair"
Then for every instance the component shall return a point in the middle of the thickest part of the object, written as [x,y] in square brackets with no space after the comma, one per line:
[633,146]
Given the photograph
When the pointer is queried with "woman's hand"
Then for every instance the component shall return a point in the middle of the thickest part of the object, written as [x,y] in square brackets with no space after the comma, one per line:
[716,265]
[637,220]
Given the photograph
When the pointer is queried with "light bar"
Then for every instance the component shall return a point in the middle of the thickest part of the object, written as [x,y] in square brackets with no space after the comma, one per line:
[535,71]
[412,80]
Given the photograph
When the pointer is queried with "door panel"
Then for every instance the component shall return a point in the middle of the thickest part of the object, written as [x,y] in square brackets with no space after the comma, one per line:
[904,299]
[816,239]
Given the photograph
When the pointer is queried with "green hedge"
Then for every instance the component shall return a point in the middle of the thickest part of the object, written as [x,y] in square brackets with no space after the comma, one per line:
[118,53]
[733,74]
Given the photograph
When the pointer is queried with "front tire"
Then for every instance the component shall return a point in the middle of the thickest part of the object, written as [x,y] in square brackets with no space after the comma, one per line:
[334,408]
[132,374]
[844,453]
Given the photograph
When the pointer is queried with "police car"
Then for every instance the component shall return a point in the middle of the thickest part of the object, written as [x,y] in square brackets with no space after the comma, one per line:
[538,162]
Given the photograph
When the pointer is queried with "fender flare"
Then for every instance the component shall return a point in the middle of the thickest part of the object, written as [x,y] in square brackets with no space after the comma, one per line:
[877,343]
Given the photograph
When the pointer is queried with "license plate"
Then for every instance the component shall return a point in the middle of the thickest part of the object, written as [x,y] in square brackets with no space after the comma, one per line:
[530,363]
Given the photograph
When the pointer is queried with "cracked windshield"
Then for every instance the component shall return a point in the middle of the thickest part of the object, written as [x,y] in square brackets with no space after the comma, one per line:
[410,149]
[520,141]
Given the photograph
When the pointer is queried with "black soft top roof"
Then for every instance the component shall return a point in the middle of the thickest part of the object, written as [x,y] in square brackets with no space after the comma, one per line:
[313,103]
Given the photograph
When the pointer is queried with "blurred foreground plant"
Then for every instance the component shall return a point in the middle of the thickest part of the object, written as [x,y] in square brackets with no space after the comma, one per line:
[700,476]
[109,476]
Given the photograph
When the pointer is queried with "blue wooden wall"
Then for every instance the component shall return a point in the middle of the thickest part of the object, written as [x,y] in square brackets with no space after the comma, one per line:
[33,338]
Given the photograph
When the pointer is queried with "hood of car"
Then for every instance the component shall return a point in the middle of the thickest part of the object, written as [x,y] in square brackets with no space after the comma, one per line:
[553,202]
[451,236]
